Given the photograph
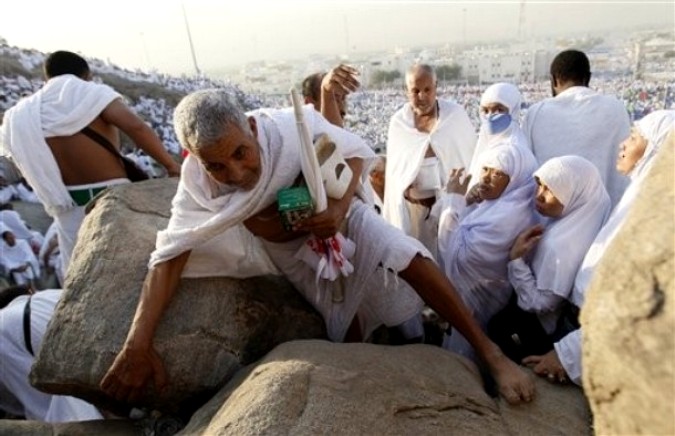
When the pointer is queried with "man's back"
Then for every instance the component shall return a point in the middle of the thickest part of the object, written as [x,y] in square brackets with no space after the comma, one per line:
[82,161]
[582,122]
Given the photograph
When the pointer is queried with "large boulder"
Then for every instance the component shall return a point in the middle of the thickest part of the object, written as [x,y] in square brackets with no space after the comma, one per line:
[316,387]
[212,328]
[628,318]
[110,427]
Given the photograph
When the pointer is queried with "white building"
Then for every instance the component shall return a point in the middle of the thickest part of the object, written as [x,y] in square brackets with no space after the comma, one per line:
[504,64]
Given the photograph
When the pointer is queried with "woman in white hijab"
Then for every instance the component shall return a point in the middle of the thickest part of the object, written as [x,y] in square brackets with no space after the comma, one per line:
[635,159]
[574,204]
[571,194]
[500,118]
[474,242]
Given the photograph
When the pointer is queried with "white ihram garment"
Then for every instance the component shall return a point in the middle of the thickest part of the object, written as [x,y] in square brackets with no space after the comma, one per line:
[655,128]
[548,281]
[452,140]
[202,210]
[474,243]
[582,122]
[17,362]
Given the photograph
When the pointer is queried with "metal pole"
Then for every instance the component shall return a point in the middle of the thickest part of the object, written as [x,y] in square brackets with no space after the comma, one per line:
[189,35]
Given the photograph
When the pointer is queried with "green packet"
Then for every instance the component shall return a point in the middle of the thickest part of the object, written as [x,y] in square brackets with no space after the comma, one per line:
[294,204]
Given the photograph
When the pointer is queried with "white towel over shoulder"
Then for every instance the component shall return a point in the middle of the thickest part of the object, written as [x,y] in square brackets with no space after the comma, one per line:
[201,212]
[64,106]
[453,140]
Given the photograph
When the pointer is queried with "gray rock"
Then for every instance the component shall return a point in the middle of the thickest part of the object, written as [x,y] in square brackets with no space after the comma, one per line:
[317,387]
[212,327]
[110,427]
[629,316]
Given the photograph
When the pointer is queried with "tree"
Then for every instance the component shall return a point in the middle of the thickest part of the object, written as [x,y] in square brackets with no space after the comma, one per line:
[381,77]
[446,73]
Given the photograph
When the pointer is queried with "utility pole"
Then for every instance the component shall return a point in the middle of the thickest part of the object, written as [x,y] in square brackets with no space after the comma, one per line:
[521,22]
[464,28]
[189,35]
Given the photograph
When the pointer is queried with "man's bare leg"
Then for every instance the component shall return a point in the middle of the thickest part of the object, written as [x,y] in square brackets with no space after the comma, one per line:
[354,331]
[437,291]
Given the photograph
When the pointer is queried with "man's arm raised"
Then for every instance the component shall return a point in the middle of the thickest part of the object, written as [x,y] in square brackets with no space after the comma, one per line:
[118,114]
[138,361]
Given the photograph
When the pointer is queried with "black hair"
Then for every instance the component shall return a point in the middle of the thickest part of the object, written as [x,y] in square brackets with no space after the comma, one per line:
[65,62]
[571,66]
[9,294]
[311,86]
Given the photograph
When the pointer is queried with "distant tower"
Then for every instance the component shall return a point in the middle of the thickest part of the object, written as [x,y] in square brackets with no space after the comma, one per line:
[521,21]
[638,64]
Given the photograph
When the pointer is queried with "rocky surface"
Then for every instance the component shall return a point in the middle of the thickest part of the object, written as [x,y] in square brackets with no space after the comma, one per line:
[317,387]
[212,328]
[629,316]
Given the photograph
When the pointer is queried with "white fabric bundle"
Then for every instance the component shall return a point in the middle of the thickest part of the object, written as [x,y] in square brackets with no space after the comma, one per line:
[576,183]
[376,298]
[64,106]
[330,257]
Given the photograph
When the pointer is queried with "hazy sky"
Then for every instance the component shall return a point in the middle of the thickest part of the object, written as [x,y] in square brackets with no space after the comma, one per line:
[152,33]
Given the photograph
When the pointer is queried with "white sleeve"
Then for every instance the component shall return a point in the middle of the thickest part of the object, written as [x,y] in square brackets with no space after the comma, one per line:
[531,298]
[526,125]
[448,208]
[569,354]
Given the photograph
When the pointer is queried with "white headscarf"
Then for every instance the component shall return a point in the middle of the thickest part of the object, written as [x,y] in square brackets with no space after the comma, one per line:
[477,252]
[577,184]
[655,128]
[509,96]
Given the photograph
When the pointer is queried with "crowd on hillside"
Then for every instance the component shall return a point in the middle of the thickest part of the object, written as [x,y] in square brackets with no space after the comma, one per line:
[369,111]
[489,257]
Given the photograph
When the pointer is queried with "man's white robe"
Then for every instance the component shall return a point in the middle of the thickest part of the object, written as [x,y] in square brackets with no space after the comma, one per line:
[19,397]
[452,140]
[202,210]
[582,122]
[62,107]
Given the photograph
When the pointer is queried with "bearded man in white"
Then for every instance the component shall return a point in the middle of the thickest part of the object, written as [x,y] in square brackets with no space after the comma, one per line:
[428,137]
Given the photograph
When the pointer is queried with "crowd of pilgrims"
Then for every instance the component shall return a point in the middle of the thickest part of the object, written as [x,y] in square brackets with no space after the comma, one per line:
[368,115]
[510,241]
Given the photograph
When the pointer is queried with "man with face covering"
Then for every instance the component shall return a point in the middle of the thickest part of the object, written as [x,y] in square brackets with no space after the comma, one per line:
[427,138]
[578,121]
